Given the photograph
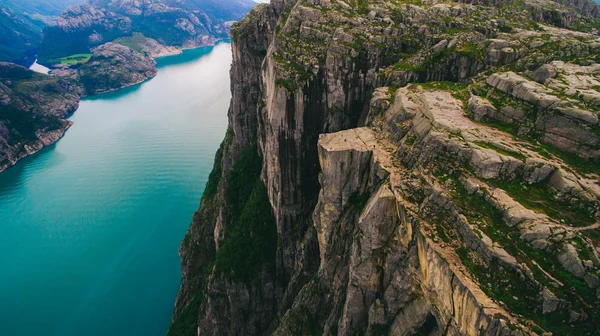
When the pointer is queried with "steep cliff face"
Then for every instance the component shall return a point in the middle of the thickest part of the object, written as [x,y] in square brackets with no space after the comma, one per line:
[464,205]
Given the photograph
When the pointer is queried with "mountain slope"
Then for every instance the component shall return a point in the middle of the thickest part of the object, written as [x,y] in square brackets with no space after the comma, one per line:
[21,25]
[33,108]
[232,10]
[20,36]
[42,7]
[403,167]
[172,23]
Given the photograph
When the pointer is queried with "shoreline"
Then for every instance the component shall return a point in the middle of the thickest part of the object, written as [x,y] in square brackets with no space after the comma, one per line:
[47,139]
[44,140]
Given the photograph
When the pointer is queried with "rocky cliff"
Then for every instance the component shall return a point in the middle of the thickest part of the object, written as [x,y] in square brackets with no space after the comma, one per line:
[33,108]
[405,168]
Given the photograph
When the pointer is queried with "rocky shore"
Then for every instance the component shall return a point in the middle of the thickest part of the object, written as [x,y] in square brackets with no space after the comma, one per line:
[33,110]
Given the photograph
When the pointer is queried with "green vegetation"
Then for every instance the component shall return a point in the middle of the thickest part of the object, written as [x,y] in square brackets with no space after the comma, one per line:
[363,7]
[72,60]
[537,197]
[296,75]
[241,181]
[403,66]
[505,28]
[358,201]
[215,175]
[459,91]
[20,35]
[574,161]
[187,323]
[135,41]
[379,329]
[251,240]
[500,99]
[504,284]
[307,317]
[502,151]
[472,50]
[517,291]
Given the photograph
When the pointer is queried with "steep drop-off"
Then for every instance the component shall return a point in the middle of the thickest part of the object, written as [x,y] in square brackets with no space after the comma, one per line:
[403,167]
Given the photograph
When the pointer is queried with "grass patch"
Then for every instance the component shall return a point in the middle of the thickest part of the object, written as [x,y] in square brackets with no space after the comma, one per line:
[502,151]
[537,197]
[134,41]
[72,59]
[252,242]
[458,90]
[215,175]
[403,66]
[505,284]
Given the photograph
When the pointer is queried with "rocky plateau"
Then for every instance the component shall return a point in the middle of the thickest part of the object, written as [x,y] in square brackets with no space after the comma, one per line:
[403,167]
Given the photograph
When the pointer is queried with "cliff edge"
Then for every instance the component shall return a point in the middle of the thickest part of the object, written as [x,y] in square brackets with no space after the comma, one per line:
[405,168]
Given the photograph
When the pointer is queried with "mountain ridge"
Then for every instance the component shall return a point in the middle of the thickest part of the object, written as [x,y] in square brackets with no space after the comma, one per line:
[82,28]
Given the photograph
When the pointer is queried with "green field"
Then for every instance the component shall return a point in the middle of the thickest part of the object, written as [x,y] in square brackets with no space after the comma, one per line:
[72,59]
[135,41]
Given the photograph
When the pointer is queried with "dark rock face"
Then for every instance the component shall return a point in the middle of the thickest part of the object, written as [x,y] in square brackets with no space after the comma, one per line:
[403,208]
[114,66]
[32,111]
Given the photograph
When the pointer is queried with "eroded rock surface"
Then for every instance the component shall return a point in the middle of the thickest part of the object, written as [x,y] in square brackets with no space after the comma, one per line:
[426,168]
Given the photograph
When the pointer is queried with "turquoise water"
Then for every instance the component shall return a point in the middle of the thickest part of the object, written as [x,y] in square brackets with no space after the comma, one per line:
[90,227]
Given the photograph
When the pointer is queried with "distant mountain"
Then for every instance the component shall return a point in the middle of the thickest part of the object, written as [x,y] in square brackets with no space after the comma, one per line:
[228,10]
[41,7]
[21,25]
[20,36]
[180,23]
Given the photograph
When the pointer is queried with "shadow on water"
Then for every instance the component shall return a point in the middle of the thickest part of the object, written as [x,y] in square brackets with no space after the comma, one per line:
[187,56]
[118,93]
[13,176]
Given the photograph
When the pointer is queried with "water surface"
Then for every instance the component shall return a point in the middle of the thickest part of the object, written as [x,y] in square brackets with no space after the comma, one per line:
[90,227]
